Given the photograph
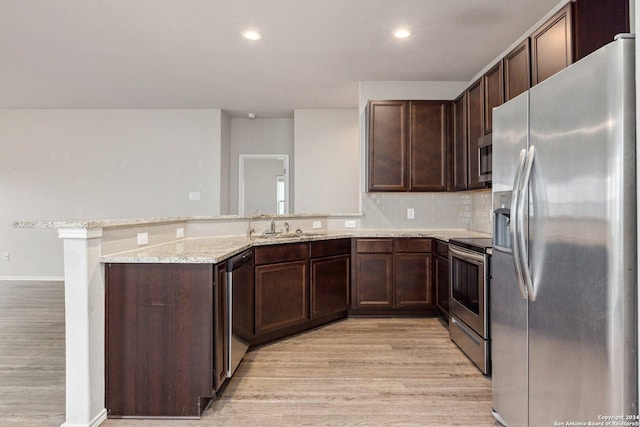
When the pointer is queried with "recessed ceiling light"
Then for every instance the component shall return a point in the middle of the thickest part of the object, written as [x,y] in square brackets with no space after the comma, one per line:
[251,115]
[251,35]
[401,33]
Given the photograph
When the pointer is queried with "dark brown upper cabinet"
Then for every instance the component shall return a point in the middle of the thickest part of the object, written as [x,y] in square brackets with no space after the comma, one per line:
[552,46]
[459,164]
[493,94]
[429,147]
[475,119]
[388,121]
[597,22]
[517,71]
[408,145]
[576,30]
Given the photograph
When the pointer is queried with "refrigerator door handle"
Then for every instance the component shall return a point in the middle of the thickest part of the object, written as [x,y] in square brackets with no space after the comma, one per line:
[524,191]
[513,224]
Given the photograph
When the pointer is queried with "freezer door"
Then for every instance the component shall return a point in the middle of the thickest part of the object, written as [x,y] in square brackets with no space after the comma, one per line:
[508,342]
[510,136]
[582,230]
[508,310]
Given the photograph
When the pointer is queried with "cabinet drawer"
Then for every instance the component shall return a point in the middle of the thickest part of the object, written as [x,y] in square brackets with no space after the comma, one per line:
[325,248]
[281,253]
[442,249]
[374,245]
[413,245]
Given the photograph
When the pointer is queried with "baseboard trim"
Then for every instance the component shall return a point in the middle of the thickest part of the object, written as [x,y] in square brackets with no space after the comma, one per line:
[96,421]
[33,278]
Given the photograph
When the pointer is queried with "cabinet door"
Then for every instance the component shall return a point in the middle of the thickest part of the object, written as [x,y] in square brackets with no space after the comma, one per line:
[159,349]
[475,106]
[517,71]
[374,280]
[220,326]
[388,145]
[413,280]
[552,46]
[493,91]
[597,22]
[460,143]
[442,284]
[329,285]
[429,152]
[282,296]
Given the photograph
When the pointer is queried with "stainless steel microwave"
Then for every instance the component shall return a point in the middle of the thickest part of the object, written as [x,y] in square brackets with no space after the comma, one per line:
[484,158]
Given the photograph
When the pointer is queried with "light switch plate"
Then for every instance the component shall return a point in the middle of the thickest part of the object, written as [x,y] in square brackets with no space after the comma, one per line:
[143,238]
[179,232]
[317,224]
[194,195]
[350,224]
[411,213]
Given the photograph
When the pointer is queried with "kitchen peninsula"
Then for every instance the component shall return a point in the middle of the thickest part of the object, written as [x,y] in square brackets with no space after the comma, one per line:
[90,245]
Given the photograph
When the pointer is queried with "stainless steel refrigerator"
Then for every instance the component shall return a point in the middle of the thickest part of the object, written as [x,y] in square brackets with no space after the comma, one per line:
[563,270]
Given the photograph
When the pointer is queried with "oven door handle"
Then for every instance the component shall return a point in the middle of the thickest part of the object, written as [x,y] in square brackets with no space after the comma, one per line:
[466,255]
[513,225]
[524,191]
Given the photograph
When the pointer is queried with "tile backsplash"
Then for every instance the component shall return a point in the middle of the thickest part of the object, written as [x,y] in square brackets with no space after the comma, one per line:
[481,211]
[468,210]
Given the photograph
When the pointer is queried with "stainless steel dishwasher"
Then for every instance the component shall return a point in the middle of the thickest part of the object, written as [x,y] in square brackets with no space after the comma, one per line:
[240,307]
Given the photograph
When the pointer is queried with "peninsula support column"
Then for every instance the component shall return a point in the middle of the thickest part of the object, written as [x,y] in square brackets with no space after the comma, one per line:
[84,327]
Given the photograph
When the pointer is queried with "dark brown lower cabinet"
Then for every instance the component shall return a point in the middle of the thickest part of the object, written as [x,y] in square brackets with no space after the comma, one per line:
[392,276]
[413,280]
[282,296]
[373,274]
[281,290]
[374,280]
[330,277]
[220,327]
[441,276]
[160,339]
[300,286]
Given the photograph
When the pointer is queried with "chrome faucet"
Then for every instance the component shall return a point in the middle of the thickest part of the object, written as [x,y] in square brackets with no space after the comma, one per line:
[273,226]
[286,227]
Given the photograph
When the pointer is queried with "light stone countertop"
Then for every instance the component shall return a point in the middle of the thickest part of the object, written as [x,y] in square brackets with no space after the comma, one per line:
[212,250]
[105,223]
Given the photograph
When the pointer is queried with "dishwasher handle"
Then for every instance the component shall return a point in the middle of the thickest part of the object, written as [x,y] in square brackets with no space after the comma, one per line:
[239,260]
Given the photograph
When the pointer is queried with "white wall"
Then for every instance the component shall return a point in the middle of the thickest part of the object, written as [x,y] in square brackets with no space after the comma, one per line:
[225,155]
[79,164]
[259,136]
[326,161]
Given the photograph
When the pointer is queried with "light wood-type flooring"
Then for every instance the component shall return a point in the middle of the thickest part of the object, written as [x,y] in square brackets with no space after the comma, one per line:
[356,372]
[31,354]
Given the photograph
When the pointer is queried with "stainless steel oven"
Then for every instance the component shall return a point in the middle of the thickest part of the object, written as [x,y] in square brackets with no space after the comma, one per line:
[484,158]
[468,303]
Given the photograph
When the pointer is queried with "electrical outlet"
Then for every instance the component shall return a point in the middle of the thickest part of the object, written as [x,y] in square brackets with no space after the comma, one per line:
[411,213]
[350,224]
[7,256]
[143,238]
[317,224]
[180,232]
[194,195]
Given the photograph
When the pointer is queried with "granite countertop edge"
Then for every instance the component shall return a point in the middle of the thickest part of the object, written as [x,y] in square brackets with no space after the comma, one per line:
[106,223]
[212,250]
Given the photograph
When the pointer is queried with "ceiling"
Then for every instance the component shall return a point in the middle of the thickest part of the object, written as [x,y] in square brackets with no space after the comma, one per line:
[190,53]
